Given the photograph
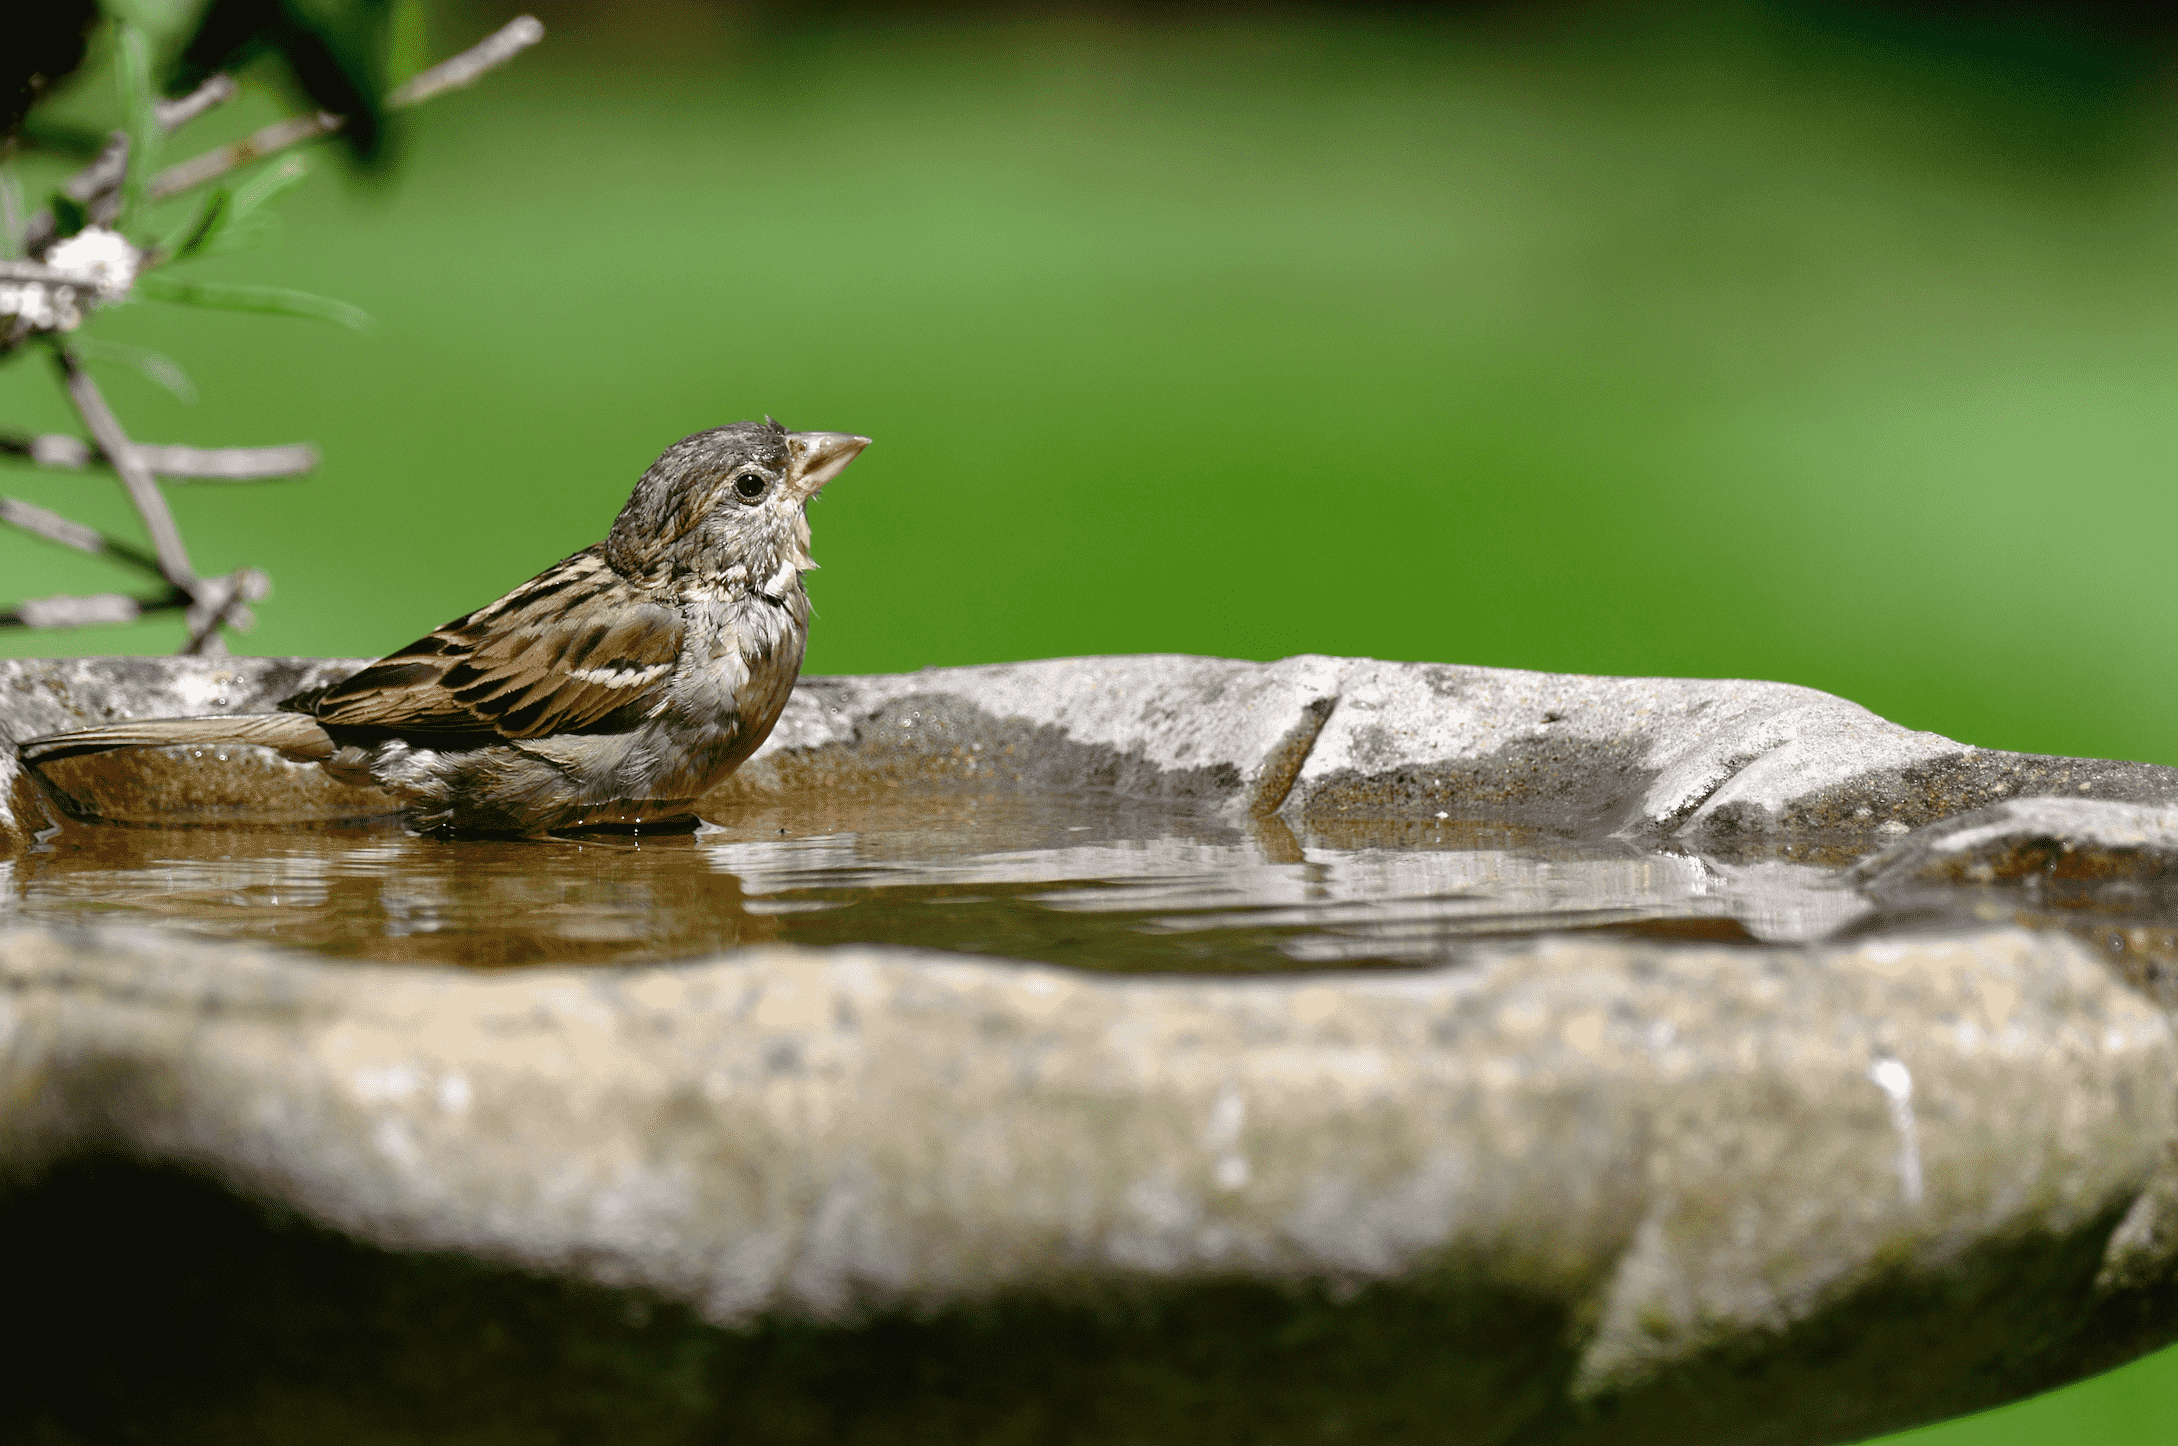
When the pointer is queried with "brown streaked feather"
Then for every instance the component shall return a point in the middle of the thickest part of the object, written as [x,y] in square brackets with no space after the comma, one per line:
[563,653]
[299,738]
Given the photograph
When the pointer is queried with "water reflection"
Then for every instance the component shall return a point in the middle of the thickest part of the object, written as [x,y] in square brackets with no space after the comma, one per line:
[1098,884]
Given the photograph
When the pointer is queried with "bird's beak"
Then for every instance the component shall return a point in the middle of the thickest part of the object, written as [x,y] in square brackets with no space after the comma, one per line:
[815,458]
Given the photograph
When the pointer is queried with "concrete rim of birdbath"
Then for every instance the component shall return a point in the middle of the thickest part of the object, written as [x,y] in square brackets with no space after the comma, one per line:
[1833,1188]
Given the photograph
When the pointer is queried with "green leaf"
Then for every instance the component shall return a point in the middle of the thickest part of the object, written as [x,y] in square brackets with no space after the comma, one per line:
[155,367]
[234,220]
[132,73]
[211,219]
[251,196]
[275,299]
[69,217]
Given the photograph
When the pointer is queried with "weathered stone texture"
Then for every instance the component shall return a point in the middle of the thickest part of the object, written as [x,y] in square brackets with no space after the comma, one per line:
[1827,1189]
[1686,1145]
[1722,766]
[2035,841]
[1715,765]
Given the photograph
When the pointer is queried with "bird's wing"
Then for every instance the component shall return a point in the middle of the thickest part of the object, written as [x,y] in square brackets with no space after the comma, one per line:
[563,653]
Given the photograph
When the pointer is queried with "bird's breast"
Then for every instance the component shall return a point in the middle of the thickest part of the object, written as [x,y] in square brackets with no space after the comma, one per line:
[739,657]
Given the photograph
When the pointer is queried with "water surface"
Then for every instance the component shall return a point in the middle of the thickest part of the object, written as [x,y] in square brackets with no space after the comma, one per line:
[1100,884]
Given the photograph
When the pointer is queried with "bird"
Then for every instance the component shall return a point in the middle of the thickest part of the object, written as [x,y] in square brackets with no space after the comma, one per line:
[612,690]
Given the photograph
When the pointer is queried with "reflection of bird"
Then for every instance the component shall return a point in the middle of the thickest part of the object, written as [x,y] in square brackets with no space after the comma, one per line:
[616,687]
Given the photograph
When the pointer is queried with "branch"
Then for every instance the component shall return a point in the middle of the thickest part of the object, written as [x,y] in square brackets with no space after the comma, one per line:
[55,528]
[260,143]
[135,476]
[81,612]
[187,464]
[41,274]
[223,601]
[63,611]
[230,464]
[211,603]
[493,50]
[101,179]
[48,449]
[97,187]
[51,526]
[172,115]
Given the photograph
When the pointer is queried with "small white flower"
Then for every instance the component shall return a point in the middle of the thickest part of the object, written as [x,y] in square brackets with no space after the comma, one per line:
[98,264]
[37,304]
[102,257]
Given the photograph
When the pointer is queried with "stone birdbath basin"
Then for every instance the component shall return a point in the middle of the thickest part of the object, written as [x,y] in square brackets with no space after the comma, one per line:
[1141,1049]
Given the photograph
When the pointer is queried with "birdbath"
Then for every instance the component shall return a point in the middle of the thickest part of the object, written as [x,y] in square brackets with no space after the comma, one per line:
[1142,1047]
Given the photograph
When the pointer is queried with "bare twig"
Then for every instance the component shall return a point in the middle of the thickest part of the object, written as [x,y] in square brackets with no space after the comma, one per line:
[101,177]
[172,115]
[51,449]
[495,49]
[223,602]
[143,490]
[52,526]
[175,463]
[260,143]
[55,528]
[229,464]
[48,449]
[211,603]
[81,612]
[38,271]
[65,611]
[97,187]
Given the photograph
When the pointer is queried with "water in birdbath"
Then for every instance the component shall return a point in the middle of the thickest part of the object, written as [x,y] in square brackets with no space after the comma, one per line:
[1090,882]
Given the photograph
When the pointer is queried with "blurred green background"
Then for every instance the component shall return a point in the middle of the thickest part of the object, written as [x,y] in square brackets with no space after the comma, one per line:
[1827,343]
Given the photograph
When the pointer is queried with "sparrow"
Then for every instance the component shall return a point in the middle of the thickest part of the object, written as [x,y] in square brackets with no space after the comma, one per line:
[613,689]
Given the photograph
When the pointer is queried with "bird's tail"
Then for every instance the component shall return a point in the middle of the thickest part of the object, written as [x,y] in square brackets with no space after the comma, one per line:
[295,735]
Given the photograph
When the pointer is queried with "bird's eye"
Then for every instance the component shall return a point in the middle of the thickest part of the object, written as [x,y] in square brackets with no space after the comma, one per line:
[750,485]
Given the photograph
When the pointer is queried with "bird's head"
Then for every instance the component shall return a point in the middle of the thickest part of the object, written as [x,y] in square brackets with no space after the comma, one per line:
[725,507]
